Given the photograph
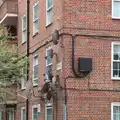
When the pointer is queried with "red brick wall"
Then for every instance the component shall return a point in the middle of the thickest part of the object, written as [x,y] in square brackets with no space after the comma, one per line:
[90,14]
[90,17]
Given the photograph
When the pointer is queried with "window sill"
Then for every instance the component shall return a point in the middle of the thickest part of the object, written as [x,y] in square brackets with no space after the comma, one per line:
[35,34]
[23,42]
[47,25]
[116,18]
[47,65]
[115,78]
[35,85]
[23,88]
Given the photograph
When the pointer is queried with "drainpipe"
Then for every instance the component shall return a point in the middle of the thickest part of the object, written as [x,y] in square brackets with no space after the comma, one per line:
[73,50]
[28,33]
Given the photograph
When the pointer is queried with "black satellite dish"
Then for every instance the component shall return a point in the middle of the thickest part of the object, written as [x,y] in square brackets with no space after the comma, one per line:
[49,95]
[55,37]
[45,88]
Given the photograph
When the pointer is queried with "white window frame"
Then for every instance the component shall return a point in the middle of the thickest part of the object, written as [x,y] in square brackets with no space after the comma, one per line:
[35,106]
[34,20]
[112,50]
[24,29]
[35,84]
[47,10]
[23,108]
[48,106]
[112,105]
[113,9]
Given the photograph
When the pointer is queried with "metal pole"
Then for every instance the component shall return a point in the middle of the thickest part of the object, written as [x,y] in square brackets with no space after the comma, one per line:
[28,32]
[27,109]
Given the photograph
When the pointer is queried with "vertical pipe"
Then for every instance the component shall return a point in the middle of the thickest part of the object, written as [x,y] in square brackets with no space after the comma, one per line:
[28,30]
[27,109]
[28,33]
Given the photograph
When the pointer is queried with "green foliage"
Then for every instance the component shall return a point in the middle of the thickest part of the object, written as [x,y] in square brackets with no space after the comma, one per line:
[10,66]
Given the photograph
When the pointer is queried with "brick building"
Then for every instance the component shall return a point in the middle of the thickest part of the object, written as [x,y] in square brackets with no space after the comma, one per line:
[88,30]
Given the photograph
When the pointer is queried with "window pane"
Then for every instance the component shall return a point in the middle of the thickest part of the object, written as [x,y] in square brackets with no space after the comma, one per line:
[36,71]
[50,16]
[115,109]
[49,59]
[115,48]
[49,113]
[1,115]
[24,22]
[36,26]
[24,114]
[48,69]
[35,81]
[116,112]
[115,73]
[35,116]
[116,56]
[116,9]
[116,52]
[10,115]
[24,36]
[35,111]
[49,117]
[36,12]
[36,60]
[114,117]
[115,65]
[49,3]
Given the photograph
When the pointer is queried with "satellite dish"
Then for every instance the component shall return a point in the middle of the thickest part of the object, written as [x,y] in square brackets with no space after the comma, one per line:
[45,87]
[55,37]
[29,87]
[49,95]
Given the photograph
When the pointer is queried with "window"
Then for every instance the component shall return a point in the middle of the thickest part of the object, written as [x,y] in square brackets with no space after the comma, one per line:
[35,18]
[49,11]
[23,113]
[23,83]
[23,79]
[115,111]
[35,112]
[1,115]
[10,114]
[48,62]
[35,70]
[116,8]
[115,60]
[48,111]
[49,59]
[24,29]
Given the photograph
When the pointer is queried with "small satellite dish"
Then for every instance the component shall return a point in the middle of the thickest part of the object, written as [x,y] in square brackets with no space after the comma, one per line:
[45,87]
[49,95]
[55,37]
